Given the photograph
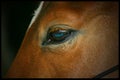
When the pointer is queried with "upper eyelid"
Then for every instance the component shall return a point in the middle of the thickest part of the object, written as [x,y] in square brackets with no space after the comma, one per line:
[62,26]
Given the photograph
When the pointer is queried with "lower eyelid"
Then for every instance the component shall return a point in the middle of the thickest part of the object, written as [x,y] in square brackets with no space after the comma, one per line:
[64,45]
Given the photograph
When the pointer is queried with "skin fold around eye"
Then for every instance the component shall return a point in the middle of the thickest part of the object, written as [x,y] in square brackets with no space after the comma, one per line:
[57,35]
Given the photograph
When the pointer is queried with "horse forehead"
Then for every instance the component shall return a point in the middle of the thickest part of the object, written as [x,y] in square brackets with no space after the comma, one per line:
[63,10]
[68,7]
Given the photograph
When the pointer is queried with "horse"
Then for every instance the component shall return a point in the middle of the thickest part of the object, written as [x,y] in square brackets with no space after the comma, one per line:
[68,39]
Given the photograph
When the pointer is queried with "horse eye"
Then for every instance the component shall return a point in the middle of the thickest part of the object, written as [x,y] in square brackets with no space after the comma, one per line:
[57,36]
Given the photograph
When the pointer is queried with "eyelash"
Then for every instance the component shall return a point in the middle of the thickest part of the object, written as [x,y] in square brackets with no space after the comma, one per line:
[58,36]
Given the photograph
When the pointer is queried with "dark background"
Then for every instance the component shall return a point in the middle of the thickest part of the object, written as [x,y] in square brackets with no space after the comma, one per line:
[15,19]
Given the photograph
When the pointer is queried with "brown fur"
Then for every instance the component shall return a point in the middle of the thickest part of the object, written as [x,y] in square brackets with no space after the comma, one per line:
[87,55]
